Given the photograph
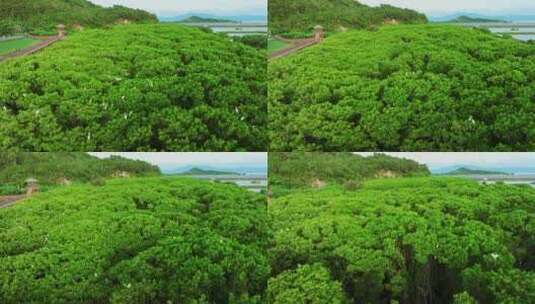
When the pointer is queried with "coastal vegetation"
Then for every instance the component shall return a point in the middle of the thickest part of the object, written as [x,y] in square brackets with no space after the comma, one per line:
[136,88]
[55,169]
[405,88]
[42,16]
[256,41]
[289,16]
[404,240]
[138,240]
[301,170]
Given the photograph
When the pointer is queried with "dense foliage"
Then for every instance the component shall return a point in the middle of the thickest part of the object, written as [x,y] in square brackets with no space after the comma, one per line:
[133,88]
[294,170]
[57,168]
[256,41]
[303,15]
[405,88]
[38,15]
[406,240]
[159,240]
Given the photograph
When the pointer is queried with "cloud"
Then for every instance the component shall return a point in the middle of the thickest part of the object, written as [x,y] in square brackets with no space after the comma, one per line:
[186,6]
[450,6]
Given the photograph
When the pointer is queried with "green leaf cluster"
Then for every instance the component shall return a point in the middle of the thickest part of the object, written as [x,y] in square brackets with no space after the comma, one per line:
[143,240]
[136,88]
[406,240]
[306,284]
[405,88]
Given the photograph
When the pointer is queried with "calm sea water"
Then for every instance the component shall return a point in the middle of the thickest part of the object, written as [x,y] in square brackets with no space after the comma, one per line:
[252,182]
[516,31]
[240,31]
[524,37]
[236,29]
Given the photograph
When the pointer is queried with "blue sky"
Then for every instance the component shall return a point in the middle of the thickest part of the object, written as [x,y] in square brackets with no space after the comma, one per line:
[444,7]
[178,7]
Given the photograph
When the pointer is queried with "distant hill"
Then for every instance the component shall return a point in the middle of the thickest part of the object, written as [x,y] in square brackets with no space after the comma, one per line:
[230,18]
[198,171]
[503,18]
[466,19]
[236,169]
[197,19]
[55,168]
[300,169]
[467,171]
[44,15]
[298,15]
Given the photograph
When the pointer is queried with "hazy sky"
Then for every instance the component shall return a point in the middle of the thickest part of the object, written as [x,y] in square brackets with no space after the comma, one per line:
[440,7]
[438,160]
[194,158]
[163,7]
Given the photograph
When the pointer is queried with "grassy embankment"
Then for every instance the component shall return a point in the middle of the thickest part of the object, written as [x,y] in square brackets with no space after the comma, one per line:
[9,46]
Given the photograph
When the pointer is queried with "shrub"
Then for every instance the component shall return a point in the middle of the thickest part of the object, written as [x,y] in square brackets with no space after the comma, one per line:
[307,284]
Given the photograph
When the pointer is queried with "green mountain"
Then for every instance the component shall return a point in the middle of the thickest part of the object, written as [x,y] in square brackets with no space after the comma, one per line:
[302,15]
[57,168]
[295,170]
[197,19]
[44,15]
[198,171]
[467,171]
[467,19]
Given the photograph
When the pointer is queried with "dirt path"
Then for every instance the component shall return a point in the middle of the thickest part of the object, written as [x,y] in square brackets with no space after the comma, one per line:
[297,44]
[6,201]
[31,49]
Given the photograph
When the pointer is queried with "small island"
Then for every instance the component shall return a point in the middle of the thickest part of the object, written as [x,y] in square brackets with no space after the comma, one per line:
[197,19]
[466,171]
[198,171]
[467,19]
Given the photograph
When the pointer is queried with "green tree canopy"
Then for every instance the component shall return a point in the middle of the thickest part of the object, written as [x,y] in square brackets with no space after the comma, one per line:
[142,240]
[136,88]
[407,240]
[405,88]
[53,168]
[300,169]
[39,15]
[300,15]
